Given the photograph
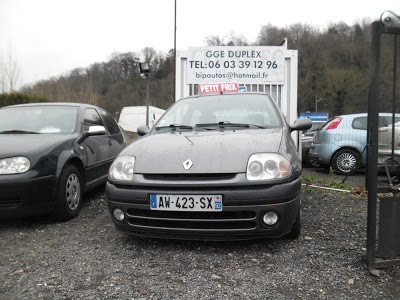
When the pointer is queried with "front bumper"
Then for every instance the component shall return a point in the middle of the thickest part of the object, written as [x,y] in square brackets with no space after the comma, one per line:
[241,218]
[22,197]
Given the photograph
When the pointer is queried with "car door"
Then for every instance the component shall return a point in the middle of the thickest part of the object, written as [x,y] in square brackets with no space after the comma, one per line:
[97,149]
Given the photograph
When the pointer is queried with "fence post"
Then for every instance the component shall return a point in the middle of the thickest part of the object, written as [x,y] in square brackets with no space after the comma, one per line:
[372,143]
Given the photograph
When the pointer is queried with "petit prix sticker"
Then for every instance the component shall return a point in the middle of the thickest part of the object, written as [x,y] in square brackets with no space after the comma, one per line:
[217,88]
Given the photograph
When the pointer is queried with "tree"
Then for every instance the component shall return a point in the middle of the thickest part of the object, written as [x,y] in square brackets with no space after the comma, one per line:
[149,54]
[19,98]
[231,39]
[343,88]
[3,78]
[9,71]
[270,35]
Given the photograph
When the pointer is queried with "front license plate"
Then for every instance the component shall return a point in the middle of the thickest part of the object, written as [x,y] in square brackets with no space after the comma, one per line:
[186,202]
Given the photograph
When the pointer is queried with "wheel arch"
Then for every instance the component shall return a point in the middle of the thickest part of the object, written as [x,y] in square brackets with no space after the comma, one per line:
[68,159]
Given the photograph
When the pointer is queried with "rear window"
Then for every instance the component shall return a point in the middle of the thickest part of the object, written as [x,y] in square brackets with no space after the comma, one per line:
[360,123]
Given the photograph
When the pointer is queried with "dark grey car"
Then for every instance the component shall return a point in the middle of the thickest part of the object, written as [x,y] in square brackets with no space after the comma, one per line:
[214,168]
[306,141]
[50,154]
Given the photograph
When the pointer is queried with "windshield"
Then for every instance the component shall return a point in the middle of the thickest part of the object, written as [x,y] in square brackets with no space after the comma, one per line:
[38,119]
[223,110]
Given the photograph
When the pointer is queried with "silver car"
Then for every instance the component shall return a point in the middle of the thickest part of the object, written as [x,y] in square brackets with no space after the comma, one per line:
[216,167]
[341,142]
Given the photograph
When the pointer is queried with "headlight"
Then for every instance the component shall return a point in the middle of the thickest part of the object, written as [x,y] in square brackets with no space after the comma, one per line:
[264,166]
[122,168]
[14,165]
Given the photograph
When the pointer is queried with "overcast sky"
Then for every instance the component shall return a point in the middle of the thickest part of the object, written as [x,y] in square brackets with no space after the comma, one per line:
[50,37]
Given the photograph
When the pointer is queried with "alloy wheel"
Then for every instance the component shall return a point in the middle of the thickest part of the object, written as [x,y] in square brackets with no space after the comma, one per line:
[346,162]
[73,191]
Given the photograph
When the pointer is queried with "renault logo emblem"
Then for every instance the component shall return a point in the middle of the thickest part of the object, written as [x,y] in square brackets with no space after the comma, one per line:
[187,164]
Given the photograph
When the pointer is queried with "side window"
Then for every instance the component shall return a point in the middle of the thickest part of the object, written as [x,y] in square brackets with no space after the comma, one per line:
[91,118]
[384,121]
[387,120]
[110,123]
[360,123]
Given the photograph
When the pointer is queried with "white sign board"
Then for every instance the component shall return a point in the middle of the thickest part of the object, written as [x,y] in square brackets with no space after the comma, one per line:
[235,64]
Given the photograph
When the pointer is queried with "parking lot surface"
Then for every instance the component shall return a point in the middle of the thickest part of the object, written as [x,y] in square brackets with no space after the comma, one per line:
[87,258]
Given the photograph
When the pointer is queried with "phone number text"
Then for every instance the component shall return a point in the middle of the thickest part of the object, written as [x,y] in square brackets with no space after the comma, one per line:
[231,64]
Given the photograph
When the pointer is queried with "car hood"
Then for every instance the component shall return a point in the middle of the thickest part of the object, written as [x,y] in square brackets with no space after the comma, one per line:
[209,151]
[27,144]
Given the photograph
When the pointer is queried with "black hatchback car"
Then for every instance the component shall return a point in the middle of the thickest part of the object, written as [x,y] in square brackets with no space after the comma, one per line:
[213,168]
[50,154]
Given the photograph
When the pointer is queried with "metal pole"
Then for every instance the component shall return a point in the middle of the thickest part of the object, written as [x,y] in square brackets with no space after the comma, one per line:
[372,144]
[394,92]
[316,104]
[147,100]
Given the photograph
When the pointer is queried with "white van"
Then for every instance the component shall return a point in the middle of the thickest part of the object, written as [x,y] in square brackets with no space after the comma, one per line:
[132,117]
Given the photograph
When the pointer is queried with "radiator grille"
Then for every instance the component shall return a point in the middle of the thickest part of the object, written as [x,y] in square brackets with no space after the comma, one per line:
[230,220]
[189,177]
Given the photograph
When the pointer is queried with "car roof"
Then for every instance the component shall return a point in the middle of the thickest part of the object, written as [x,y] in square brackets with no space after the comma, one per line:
[362,115]
[72,104]
[353,115]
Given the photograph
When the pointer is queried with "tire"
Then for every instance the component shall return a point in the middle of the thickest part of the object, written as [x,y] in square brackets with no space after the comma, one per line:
[69,194]
[311,162]
[324,166]
[296,228]
[346,162]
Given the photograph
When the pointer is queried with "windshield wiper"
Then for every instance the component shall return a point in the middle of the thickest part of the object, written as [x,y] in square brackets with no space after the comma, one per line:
[258,126]
[18,132]
[224,124]
[174,127]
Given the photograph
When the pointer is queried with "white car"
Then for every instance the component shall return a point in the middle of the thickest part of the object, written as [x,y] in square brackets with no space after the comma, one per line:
[386,143]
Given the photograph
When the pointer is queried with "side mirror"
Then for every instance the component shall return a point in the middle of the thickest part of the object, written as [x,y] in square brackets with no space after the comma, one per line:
[93,130]
[301,124]
[143,130]
[96,130]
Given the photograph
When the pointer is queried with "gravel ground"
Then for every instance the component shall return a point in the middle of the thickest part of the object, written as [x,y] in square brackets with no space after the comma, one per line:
[86,258]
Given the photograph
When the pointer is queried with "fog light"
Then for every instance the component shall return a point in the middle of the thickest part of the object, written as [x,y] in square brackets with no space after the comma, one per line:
[118,214]
[270,218]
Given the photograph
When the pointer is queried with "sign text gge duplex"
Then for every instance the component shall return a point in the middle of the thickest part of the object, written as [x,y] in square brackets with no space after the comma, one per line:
[225,54]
